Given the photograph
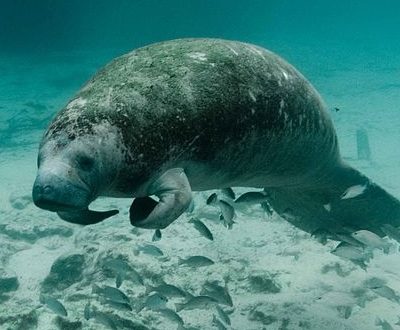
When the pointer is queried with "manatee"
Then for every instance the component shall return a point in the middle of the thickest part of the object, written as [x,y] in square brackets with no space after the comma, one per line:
[197,114]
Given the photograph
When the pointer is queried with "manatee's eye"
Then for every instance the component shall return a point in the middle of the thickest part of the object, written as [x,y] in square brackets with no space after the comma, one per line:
[85,162]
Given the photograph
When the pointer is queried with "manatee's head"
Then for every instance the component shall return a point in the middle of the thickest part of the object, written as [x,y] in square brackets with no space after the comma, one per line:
[72,172]
[68,175]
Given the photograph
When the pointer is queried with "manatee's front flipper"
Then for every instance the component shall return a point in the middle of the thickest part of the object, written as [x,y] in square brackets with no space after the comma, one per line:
[86,217]
[173,190]
[346,201]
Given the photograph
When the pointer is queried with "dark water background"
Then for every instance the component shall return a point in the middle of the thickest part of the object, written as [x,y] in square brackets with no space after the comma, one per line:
[49,48]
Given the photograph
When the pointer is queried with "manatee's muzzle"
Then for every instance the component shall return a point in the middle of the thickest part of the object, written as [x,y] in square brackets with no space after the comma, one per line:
[53,193]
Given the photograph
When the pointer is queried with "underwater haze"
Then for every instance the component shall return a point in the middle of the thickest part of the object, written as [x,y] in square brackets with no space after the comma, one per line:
[222,264]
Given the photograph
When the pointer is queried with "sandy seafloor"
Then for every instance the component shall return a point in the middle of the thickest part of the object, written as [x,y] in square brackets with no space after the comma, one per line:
[304,286]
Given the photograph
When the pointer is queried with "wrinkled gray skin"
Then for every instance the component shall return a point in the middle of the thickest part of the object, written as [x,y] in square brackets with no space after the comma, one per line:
[199,114]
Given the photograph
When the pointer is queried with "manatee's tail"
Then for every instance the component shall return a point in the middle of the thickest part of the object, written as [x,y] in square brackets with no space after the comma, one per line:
[345,201]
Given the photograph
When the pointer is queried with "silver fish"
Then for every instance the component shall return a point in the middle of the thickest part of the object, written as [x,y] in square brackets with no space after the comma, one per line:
[386,292]
[228,192]
[117,266]
[354,191]
[198,302]
[154,301]
[87,312]
[54,305]
[116,305]
[196,261]
[267,208]
[391,232]
[227,223]
[157,235]
[218,292]
[344,311]
[227,212]
[385,325]
[223,315]
[118,280]
[171,315]
[351,252]
[252,197]
[150,249]
[110,293]
[167,290]
[135,277]
[371,239]
[191,207]
[212,199]
[218,323]
[104,319]
[202,228]
[348,239]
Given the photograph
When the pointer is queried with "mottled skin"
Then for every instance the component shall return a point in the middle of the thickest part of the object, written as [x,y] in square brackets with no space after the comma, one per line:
[227,113]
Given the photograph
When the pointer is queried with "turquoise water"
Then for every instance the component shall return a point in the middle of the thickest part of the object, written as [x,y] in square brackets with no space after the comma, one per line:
[277,276]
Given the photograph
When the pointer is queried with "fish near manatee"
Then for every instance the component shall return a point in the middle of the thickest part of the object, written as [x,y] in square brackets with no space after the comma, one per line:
[199,114]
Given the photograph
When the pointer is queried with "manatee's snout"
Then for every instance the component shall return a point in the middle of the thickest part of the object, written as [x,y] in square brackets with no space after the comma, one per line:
[54,193]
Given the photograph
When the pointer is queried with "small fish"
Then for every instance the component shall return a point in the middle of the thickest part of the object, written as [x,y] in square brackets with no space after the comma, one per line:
[228,213]
[156,236]
[212,199]
[117,305]
[267,208]
[327,207]
[350,252]
[223,315]
[150,249]
[154,301]
[383,324]
[118,280]
[386,292]
[110,293]
[118,266]
[371,239]
[321,235]
[191,206]
[167,290]
[354,191]
[196,261]
[391,232]
[53,304]
[252,197]
[171,315]
[198,302]
[104,319]
[226,223]
[336,109]
[344,311]
[218,292]
[202,228]
[218,323]
[87,312]
[134,276]
[348,239]
[228,192]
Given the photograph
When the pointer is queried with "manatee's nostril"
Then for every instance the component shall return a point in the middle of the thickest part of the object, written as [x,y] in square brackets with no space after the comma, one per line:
[40,192]
[47,190]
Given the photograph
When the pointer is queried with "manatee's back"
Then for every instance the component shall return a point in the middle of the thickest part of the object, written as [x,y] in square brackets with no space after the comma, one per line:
[206,93]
